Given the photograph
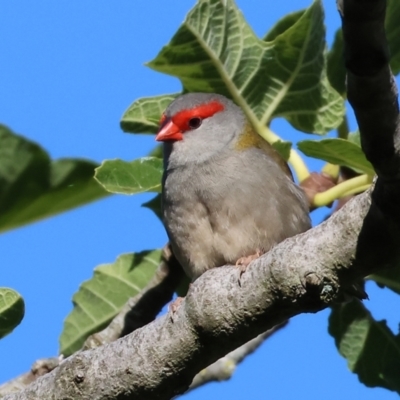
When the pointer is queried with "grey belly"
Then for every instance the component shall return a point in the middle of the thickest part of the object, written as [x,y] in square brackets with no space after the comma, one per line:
[210,224]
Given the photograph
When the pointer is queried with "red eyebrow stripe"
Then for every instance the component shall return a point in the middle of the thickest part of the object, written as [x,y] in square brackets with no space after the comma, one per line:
[207,110]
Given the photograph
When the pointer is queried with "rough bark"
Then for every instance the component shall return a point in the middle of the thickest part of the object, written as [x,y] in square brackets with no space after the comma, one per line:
[302,274]
[224,368]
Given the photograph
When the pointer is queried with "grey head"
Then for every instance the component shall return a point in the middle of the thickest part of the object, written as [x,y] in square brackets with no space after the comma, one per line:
[196,127]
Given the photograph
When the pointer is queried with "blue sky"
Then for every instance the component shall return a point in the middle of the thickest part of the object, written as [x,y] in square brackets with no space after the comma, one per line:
[68,71]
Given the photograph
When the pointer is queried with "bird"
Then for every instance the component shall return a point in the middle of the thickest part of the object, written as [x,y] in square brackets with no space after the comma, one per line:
[227,195]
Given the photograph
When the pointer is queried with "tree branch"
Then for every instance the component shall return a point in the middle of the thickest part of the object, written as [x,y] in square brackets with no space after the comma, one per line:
[39,368]
[224,368]
[371,87]
[305,273]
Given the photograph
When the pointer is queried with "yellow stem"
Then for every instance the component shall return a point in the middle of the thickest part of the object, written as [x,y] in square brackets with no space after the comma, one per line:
[359,189]
[295,160]
[351,186]
[299,166]
[331,169]
[267,134]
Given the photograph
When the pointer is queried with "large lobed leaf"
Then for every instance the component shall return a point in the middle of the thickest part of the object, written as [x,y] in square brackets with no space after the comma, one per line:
[12,309]
[370,347]
[154,205]
[283,25]
[138,176]
[215,50]
[283,148]
[339,152]
[392,29]
[389,278]
[143,116]
[99,299]
[335,66]
[33,187]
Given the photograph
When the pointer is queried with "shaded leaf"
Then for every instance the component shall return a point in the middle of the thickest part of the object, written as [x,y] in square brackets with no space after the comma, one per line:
[138,176]
[354,137]
[371,349]
[283,25]
[100,299]
[33,187]
[12,310]
[335,65]
[144,114]
[283,148]
[338,152]
[154,205]
[389,278]
[183,286]
[215,50]
[157,152]
[392,28]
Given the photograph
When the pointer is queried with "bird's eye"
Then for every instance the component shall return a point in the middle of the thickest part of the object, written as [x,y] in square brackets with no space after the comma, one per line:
[194,122]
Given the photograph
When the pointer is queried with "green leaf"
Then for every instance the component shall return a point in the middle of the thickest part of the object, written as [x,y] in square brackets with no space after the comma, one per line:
[336,67]
[12,310]
[156,152]
[33,187]
[183,286]
[371,349]
[154,205]
[392,28]
[354,137]
[283,148]
[215,50]
[100,299]
[338,152]
[143,115]
[138,176]
[389,278]
[283,25]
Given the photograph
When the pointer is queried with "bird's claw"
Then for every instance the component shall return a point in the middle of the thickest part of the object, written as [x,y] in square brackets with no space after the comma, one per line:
[243,262]
[173,306]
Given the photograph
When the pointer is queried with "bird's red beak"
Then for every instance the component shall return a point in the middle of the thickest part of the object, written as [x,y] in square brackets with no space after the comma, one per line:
[169,131]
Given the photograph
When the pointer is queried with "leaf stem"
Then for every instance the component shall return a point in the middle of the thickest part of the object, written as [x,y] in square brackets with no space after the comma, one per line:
[299,166]
[295,160]
[346,188]
[331,169]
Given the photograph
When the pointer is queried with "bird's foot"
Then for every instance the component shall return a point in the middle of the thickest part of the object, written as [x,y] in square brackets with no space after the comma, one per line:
[243,262]
[173,306]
